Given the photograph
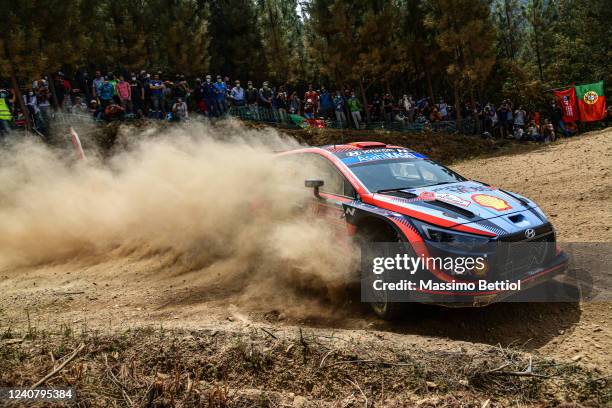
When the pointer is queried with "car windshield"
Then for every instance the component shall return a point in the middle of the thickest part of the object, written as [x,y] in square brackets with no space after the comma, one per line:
[399,174]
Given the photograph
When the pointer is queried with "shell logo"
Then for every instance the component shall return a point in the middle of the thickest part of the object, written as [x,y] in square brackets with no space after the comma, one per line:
[490,201]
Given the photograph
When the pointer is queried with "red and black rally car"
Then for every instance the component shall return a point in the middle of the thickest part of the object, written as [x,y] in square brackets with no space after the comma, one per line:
[384,193]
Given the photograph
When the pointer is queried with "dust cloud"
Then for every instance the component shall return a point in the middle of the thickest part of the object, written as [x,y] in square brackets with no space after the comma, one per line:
[213,200]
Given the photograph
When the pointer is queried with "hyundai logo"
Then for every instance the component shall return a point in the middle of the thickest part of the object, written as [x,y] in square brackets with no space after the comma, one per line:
[529,233]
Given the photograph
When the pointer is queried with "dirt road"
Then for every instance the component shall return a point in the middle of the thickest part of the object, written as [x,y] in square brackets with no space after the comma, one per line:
[570,179]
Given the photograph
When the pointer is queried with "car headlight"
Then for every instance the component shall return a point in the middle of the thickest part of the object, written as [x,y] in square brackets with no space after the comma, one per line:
[454,239]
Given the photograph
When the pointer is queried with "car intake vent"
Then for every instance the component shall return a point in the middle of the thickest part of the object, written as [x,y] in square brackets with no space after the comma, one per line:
[401,194]
[453,208]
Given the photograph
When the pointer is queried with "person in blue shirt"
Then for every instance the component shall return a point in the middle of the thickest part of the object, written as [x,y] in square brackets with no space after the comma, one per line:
[156,89]
[220,93]
[237,95]
[106,93]
[325,103]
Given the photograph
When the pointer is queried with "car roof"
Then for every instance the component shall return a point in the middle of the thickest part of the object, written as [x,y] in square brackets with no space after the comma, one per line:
[365,145]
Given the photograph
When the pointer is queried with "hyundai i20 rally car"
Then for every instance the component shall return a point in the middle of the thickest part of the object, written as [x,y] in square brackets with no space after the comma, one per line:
[383,193]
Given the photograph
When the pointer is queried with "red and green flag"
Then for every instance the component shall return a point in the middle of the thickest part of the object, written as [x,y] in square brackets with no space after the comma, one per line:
[591,101]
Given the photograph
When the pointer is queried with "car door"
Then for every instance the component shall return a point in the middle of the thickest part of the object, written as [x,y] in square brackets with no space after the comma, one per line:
[335,191]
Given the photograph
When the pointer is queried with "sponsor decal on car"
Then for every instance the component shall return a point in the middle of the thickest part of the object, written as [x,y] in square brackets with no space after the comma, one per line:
[452,199]
[370,156]
[427,196]
[459,189]
[490,201]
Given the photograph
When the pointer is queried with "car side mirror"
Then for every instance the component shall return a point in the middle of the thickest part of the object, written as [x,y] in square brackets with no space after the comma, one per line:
[314,184]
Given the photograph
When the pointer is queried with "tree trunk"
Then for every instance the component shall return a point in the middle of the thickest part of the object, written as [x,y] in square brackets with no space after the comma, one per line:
[537,44]
[364,100]
[19,96]
[457,104]
[52,88]
[429,85]
[474,113]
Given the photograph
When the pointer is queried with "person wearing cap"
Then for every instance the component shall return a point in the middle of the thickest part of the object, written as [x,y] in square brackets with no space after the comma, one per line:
[220,93]
[208,90]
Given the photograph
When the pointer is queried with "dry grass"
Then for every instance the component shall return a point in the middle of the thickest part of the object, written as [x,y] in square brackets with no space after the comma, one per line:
[154,367]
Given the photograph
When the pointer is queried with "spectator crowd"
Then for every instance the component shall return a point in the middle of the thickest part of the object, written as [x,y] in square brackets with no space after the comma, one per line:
[109,96]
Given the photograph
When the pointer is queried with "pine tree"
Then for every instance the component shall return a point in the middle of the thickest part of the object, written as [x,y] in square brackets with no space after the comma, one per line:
[281,29]
[354,41]
[465,36]
[237,43]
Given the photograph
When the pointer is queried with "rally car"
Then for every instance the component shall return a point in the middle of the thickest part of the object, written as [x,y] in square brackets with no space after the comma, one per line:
[383,193]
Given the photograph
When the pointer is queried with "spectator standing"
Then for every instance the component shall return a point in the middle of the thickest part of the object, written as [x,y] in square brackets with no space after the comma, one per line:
[309,109]
[388,107]
[376,111]
[443,109]
[168,96]
[326,104]
[355,108]
[313,96]
[97,85]
[548,131]
[31,101]
[156,89]
[237,94]
[502,117]
[5,112]
[281,104]
[220,94]
[113,81]
[181,88]
[295,105]
[556,114]
[520,116]
[60,90]
[339,107]
[210,99]
[138,96]
[265,96]
[408,105]
[252,99]
[124,92]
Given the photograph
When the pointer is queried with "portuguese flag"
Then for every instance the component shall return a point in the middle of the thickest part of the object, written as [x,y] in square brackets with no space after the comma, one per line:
[591,101]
